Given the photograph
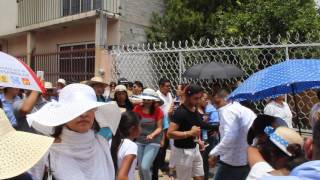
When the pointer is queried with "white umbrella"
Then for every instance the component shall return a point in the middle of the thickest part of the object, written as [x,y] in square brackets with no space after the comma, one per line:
[15,73]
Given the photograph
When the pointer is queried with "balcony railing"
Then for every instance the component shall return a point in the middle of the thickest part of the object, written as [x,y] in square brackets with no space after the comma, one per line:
[37,11]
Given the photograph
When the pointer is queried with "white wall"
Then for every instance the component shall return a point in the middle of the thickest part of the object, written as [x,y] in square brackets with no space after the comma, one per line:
[8,16]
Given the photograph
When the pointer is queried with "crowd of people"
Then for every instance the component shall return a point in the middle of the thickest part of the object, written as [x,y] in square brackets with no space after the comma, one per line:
[68,139]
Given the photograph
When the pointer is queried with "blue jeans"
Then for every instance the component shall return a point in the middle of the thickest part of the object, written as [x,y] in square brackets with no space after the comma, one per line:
[227,172]
[146,155]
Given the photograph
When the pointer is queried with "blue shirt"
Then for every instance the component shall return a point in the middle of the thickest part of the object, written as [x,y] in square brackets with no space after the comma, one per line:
[106,133]
[8,109]
[212,113]
[165,122]
[307,171]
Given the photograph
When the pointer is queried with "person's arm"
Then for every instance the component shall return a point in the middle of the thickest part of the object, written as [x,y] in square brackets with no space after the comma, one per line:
[29,102]
[207,126]
[259,167]
[123,171]
[229,124]
[173,132]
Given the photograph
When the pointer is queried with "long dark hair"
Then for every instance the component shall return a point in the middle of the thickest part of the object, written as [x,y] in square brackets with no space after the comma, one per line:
[152,108]
[128,120]
[128,104]
[270,152]
[260,123]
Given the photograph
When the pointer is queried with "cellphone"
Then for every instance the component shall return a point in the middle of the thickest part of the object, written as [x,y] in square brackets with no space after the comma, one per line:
[40,75]
[176,104]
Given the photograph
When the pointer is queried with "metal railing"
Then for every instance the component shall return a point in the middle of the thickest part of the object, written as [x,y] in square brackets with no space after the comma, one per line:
[73,66]
[37,11]
[150,62]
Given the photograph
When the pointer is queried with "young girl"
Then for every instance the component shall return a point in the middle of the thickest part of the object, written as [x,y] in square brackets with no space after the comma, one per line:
[123,149]
[122,98]
[151,128]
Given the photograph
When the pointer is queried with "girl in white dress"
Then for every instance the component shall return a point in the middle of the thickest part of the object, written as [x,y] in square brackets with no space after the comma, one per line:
[123,149]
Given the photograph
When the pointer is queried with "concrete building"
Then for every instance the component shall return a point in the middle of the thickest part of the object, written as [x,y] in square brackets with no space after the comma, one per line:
[69,37]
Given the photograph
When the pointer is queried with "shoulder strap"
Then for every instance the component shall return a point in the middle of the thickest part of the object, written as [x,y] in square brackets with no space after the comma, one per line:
[50,176]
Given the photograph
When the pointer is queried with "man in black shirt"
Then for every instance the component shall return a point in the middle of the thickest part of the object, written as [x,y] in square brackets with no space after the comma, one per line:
[185,130]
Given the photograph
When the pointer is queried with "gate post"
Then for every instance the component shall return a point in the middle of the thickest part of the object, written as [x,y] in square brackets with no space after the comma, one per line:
[100,40]
[31,42]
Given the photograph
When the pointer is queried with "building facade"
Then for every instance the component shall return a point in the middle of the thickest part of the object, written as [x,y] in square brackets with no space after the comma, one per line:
[68,38]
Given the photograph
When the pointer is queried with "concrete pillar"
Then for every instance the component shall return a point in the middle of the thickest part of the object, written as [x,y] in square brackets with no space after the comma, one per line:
[31,43]
[100,40]
[106,64]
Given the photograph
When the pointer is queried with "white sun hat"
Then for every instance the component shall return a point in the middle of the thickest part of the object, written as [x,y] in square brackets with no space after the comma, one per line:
[149,94]
[96,80]
[19,151]
[74,100]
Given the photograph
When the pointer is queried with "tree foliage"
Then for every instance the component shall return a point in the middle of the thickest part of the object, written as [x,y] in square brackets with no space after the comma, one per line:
[196,19]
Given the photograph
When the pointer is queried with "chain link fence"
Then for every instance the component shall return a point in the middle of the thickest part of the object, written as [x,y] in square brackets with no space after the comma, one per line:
[150,62]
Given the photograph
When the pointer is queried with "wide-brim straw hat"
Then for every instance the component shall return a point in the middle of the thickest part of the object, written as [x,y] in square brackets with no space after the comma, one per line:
[48,85]
[282,137]
[19,151]
[96,80]
[74,100]
[149,94]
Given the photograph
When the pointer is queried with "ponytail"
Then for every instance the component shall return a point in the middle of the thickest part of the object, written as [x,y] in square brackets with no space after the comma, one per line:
[116,142]
[297,157]
[128,120]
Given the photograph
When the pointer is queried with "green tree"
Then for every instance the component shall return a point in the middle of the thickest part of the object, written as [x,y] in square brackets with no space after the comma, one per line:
[196,19]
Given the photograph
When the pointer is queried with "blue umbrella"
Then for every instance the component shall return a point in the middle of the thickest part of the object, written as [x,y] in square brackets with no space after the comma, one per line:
[291,76]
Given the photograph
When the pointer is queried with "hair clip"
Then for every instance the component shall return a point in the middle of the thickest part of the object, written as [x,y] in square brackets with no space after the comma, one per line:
[269,130]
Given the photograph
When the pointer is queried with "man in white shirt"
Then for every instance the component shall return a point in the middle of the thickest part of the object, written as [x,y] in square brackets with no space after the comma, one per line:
[235,121]
[279,108]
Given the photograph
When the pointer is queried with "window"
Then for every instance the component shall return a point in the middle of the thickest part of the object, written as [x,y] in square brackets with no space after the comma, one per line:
[97,4]
[76,61]
[71,7]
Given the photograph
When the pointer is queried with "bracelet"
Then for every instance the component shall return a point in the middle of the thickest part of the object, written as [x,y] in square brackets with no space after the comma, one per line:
[185,134]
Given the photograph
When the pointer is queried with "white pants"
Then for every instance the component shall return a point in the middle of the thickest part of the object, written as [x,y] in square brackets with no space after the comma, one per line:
[188,163]
[172,155]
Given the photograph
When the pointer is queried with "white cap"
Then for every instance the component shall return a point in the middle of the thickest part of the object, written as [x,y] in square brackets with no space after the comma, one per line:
[120,88]
[62,81]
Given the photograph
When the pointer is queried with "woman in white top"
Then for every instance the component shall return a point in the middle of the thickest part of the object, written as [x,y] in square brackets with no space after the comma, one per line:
[78,153]
[123,149]
[277,107]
